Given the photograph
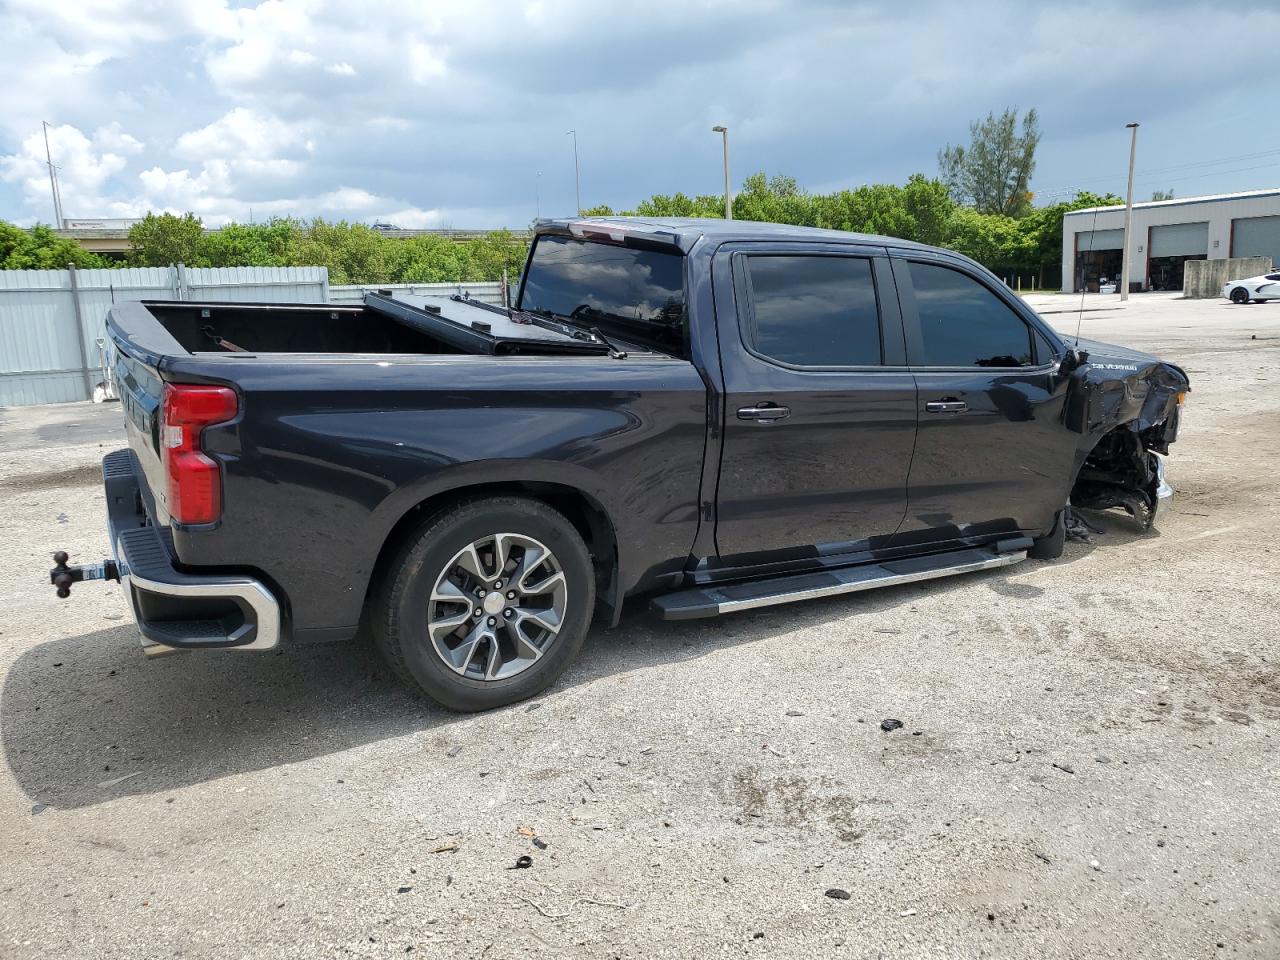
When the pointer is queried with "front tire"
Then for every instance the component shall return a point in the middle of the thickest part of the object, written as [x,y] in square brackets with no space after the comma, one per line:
[486,603]
[1239,295]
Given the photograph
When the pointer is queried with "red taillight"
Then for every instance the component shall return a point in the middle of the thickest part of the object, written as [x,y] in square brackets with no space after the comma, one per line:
[195,482]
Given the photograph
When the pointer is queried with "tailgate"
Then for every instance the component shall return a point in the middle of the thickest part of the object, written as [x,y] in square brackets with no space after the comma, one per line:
[135,349]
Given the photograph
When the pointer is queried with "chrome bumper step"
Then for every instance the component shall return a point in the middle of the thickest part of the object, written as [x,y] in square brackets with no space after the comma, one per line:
[712,601]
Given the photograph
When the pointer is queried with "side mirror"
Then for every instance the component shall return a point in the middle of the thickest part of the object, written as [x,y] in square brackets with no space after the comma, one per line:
[1074,359]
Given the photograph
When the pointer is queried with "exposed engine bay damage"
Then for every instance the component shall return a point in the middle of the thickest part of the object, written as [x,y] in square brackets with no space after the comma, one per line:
[1120,472]
[1128,405]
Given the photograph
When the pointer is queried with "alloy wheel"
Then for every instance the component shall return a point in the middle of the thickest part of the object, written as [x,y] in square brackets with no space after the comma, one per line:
[497,606]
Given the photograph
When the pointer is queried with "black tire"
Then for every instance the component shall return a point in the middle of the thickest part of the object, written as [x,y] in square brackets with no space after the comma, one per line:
[1050,546]
[1239,295]
[402,601]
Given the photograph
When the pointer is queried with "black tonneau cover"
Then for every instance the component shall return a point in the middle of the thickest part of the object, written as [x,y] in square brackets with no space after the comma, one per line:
[480,328]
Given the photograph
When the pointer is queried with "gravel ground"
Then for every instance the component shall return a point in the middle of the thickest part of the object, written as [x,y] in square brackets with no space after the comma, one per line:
[1088,765]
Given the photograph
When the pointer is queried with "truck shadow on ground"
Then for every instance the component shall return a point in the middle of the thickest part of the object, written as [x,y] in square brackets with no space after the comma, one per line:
[82,711]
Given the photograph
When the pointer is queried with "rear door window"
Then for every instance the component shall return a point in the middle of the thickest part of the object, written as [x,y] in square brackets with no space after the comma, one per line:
[964,324]
[813,311]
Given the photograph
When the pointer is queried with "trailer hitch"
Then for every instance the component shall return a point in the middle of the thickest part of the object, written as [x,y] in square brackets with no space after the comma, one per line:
[63,576]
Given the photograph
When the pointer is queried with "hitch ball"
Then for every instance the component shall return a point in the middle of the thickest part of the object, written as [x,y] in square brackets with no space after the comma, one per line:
[60,575]
[63,576]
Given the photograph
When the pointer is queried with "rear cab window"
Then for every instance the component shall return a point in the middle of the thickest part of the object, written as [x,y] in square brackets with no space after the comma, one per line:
[964,324]
[810,310]
[631,294]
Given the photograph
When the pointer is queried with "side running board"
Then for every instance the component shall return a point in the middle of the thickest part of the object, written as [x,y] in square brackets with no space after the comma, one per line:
[711,601]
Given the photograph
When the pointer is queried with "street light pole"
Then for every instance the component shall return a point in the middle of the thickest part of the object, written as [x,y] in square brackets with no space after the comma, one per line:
[53,183]
[1127,261]
[728,190]
[577,177]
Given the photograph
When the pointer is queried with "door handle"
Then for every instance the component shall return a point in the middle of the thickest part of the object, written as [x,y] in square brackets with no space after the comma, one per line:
[946,406]
[765,413]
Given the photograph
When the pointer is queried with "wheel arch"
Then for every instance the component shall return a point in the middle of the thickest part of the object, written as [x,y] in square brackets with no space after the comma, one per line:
[587,514]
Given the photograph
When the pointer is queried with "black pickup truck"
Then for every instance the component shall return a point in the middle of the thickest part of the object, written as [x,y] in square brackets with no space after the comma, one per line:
[718,415]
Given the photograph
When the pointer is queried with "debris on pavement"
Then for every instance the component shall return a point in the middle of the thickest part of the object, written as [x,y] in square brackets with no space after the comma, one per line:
[522,863]
[795,713]
[1077,527]
[445,848]
[1064,767]
[835,893]
[906,913]
[890,724]
[453,751]
[115,780]
[540,843]
[526,831]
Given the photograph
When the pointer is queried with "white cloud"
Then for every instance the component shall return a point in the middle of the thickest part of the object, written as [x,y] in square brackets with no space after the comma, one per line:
[113,137]
[412,218]
[241,133]
[446,112]
[84,167]
[424,63]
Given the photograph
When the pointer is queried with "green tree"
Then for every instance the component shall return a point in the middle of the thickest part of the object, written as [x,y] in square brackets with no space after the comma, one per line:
[39,248]
[679,205]
[352,252]
[1162,195]
[599,210]
[164,238]
[249,245]
[993,173]
[496,251]
[776,199]
[429,259]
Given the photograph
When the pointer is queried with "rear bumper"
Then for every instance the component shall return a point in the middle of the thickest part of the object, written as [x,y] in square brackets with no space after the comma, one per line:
[177,610]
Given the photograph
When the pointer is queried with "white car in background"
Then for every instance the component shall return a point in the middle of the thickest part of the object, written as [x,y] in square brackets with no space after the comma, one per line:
[1258,289]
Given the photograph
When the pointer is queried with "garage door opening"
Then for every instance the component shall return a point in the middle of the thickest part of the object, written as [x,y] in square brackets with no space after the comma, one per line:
[1099,256]
[1169,247]
[1096,267]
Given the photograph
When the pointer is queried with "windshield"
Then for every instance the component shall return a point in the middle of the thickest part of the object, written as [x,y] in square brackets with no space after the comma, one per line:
[633,295]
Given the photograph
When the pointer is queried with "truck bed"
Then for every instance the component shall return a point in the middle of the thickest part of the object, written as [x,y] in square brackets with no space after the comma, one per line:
[385,324]
[201,328]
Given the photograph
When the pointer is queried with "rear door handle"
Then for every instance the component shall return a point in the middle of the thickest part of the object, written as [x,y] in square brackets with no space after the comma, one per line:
[765,412]
[946,406]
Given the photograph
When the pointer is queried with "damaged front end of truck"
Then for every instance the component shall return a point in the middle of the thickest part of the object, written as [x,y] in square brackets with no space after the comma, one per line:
[1127,406]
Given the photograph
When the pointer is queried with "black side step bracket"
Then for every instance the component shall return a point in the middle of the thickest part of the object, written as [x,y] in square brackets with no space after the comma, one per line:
[712,601]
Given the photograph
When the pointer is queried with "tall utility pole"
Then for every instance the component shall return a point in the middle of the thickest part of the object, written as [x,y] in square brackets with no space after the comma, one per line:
[53,182]
[537,197]
[577,176]
[1127,260]
[728,190]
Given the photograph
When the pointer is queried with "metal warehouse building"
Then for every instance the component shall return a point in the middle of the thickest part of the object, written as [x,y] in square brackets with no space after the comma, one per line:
[1166,234]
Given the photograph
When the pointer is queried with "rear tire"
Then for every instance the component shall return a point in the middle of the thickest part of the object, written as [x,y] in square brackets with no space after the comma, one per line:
[1051,545]
[473,666]
[1239,295]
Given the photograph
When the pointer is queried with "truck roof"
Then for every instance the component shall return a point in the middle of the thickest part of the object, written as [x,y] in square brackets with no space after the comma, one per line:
[686,231]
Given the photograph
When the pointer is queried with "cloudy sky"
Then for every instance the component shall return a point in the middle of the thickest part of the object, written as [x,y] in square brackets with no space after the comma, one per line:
[443,113]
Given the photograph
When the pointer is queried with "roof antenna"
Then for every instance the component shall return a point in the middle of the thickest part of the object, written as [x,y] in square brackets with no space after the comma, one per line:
[1083,285]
